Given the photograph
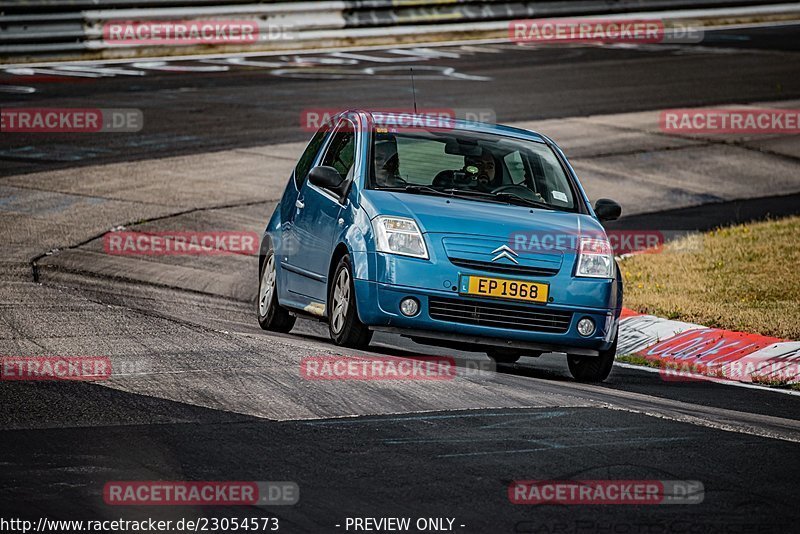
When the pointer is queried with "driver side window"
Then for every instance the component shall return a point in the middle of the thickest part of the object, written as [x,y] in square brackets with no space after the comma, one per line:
[341,152]
[515,167]
[310,153]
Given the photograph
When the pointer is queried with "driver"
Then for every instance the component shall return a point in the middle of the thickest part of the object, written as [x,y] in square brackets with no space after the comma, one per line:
[478,173]
[486,180]
[387,164]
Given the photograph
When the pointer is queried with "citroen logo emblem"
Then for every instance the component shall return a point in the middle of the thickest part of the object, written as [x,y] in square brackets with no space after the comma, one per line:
[505,252]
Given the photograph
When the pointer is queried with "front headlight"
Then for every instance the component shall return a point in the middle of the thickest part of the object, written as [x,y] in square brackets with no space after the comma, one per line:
[398,235]
[595,258]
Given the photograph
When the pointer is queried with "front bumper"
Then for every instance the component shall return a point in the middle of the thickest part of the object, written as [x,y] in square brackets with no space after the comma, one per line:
[379,306]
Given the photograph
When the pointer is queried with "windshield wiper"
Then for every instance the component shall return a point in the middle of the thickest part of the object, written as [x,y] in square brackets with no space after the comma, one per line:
[509,198]
[472,193]
[419,189]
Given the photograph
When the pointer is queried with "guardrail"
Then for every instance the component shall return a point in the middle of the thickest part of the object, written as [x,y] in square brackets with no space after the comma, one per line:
[57,28]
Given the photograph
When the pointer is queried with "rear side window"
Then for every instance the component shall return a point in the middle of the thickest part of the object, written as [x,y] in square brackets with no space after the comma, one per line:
[307,159]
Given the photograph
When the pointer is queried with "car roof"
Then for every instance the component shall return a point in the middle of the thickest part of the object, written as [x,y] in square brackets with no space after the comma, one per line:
[459,124]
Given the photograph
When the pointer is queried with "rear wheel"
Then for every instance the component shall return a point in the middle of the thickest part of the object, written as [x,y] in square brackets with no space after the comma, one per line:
[593,368]
[271,316]
[343,323]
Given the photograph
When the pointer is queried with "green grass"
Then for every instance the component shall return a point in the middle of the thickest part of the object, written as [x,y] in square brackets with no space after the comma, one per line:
[638,360]
[744,278]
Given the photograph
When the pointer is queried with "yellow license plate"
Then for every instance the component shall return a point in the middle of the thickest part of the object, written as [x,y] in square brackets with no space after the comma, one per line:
[504,288]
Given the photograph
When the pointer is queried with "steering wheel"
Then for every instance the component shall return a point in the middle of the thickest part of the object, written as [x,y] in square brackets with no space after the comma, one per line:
[519,190]
[443,179]
[509,187]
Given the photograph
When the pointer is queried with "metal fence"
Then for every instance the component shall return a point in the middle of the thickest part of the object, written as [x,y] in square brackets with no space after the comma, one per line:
[37,28]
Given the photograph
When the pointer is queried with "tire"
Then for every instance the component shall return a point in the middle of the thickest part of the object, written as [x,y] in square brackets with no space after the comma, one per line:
[345,328]
[593,368]
[500,355]
[271,315]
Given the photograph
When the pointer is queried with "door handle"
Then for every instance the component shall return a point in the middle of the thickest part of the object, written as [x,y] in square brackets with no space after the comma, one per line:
[299,204]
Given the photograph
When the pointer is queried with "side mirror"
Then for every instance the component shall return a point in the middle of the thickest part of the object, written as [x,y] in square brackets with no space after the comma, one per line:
[607,210]
[325,177]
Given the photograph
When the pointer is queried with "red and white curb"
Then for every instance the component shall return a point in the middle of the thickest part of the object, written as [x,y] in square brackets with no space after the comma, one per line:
[687,351]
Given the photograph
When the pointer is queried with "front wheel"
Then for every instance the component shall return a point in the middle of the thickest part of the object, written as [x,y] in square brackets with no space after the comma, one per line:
[343,323]
[271,316]
[593,368]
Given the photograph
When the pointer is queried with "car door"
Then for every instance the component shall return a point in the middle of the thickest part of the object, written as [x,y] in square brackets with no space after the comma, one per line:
[316,223]
[287,243]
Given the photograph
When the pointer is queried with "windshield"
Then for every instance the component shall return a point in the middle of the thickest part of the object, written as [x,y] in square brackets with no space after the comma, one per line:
[470,165]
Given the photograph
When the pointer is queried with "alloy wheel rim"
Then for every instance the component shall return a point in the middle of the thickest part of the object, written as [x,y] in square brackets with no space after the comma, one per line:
[267,289]
[341,301]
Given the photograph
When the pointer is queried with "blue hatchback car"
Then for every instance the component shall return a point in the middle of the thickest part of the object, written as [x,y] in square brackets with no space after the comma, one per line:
[457,234]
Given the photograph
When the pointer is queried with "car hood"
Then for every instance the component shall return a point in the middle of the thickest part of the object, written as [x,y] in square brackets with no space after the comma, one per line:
[438,214]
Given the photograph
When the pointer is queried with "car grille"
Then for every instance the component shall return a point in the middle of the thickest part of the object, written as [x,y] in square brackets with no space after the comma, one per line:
[503,268]
[499,315]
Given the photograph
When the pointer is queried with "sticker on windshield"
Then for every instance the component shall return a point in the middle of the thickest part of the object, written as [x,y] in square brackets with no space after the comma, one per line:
[558,195]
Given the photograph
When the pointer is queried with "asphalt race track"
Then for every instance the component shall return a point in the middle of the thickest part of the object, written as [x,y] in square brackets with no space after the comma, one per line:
[215,104]
[204,394]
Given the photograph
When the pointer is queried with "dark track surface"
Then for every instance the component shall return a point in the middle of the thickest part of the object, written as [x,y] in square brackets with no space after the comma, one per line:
[374,467]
